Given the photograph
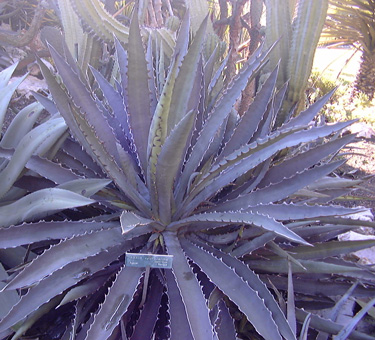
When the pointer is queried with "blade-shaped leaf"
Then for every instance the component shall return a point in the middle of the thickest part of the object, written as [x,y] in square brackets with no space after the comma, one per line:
[304,160]
[86,104]
[256,285]
[329,326]
[39,204]
[115,304]
[236,289]
[281,190]
[190,290]
[250,121]
[27,146]
[146,323]
[179,324]
[129,220]
[21,124]
[217,118]
[169,163]
[65,252]
[292,211]
[258,220]
[138,93]
[28,233]
[185,79]
[60,280]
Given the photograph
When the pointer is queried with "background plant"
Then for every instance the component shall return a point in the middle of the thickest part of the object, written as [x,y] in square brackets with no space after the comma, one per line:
[352,23]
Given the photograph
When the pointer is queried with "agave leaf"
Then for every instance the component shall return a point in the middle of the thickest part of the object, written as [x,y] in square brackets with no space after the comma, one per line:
[224,324]
[236,289]
[185,80]
[258,220]
[115,304]
[292,211]
[85,187]
[64,107]
[6,74]
[328,182]
[333,314]
[47,103]
[35,316]
[317,287]
[329,326]
[217,118]
[27,146]
[66,252]
[179,324]
[304,160]
[62,279]
[159,129]
[305,117]
[21,124]
[276,192]
[249,246]
[249,156]
[148,318]
[305,328]
[190,290]
[249,122]
[40,203]
[329,249]
[7,299]
[169,164]
[256,285]
[83,132]
[86,104]
[28,233]
[291,306]
[317,267]
[115,100]
[138,92]
[129,220]
[7,90]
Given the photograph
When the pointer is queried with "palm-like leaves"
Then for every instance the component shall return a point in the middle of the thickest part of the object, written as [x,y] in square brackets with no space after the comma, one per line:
[352,22]
[188,178]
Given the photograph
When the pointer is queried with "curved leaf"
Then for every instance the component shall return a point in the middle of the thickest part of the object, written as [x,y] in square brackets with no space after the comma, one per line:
[281,190]
[218,218]
[226,279]
[66,252]
[190,290]
[169,163]
[292,211]
[21,124]
[27,146]
[217,118]
[39,204]
[138,93]
[28,233]
[60,280]
[256,285]
[179,324]
[115,304]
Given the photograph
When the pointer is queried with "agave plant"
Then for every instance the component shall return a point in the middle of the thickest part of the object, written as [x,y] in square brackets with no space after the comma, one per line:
[161,164]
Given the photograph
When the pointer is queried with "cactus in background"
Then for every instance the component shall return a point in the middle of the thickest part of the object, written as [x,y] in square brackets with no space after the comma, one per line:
[297,25]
